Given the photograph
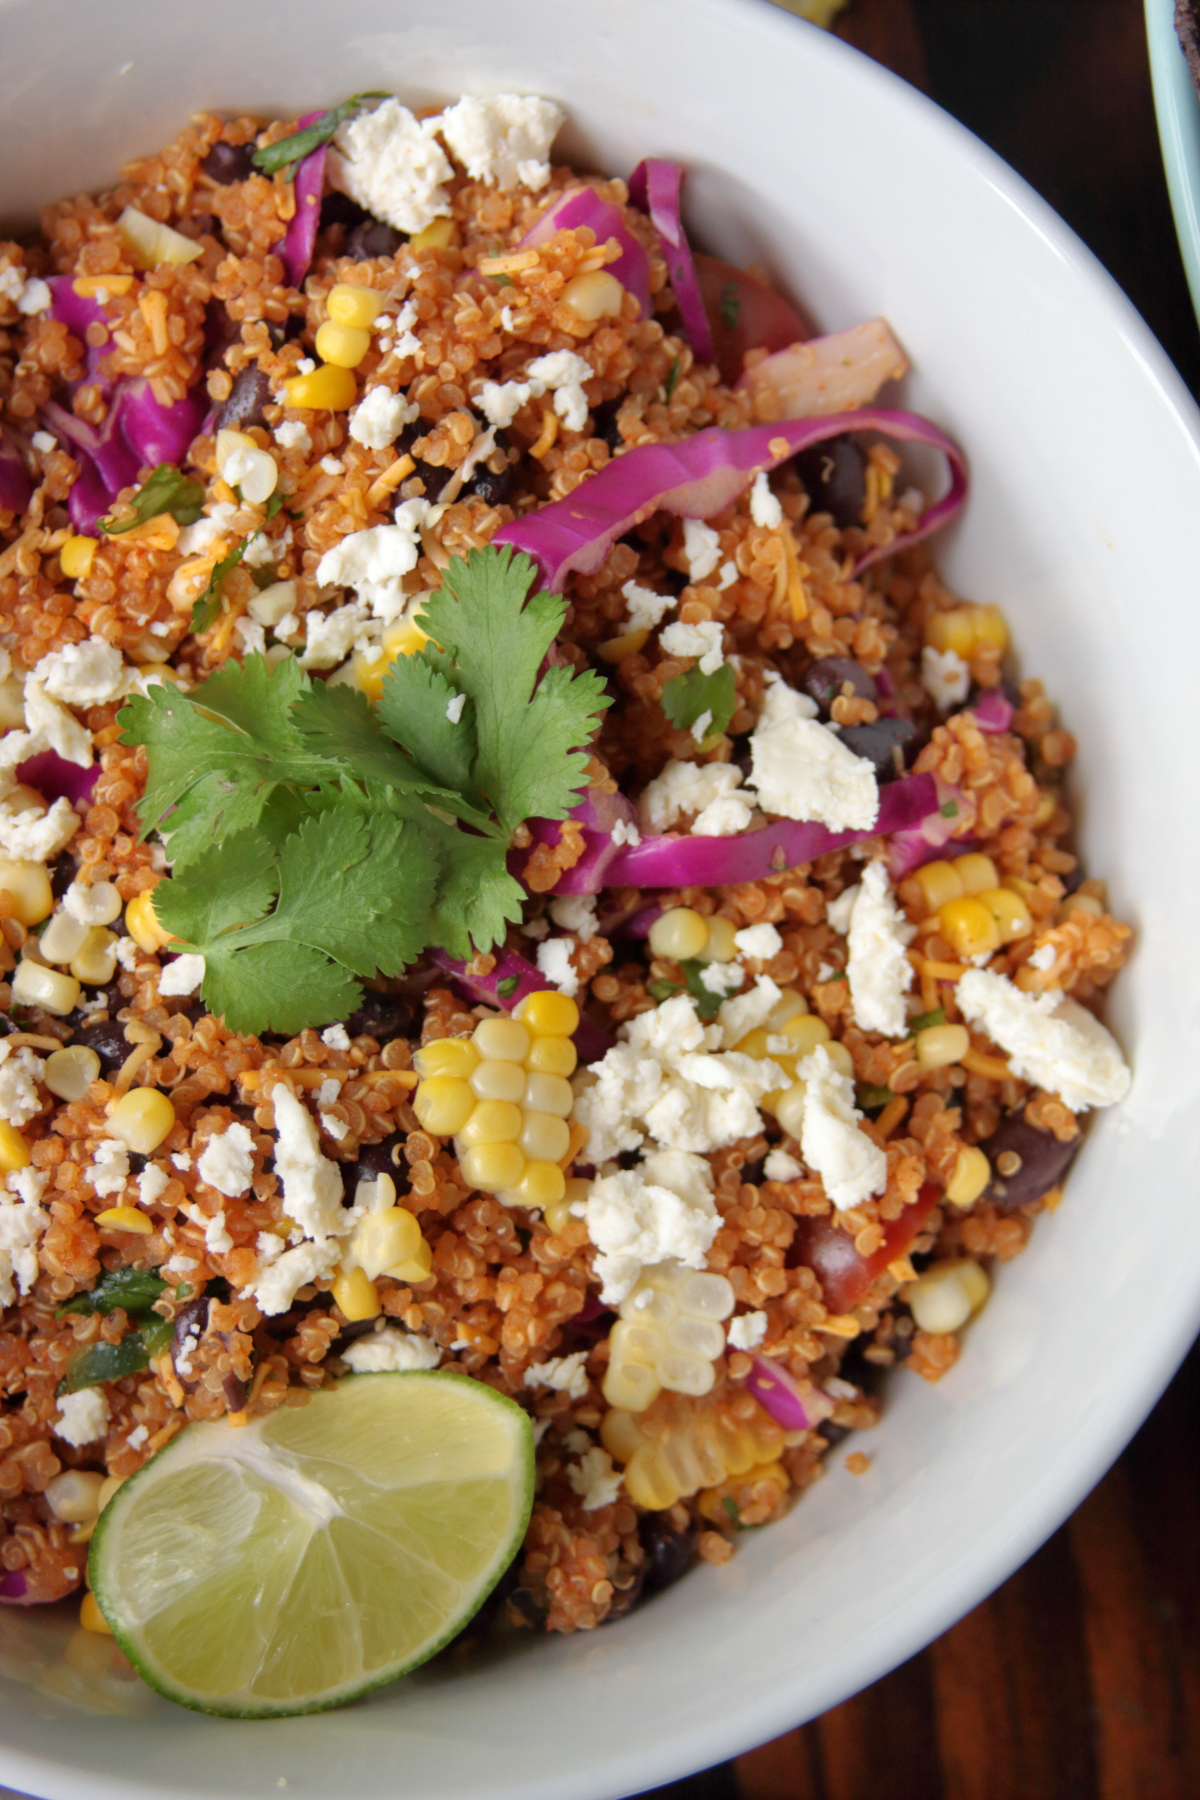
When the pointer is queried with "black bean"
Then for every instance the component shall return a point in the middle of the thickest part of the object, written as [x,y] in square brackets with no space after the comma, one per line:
[824,680]
[235,1392]
[107,1038]
[833,1434]
[190,1321]
[883,743]
[63,874]
[381,1016]
[340,209]
[835,477]
[604,423]
[524,1609]
[250,393]
[487,486]
[669,1553]
[1043,1161]
[373,1160]
[227,163]
[220,332]
[370,240]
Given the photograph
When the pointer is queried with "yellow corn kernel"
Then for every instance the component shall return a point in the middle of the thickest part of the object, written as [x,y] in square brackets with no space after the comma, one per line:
[142,924]
[976,872]
[327,389]
[447,1056]
[972,1172]
[74,1496]
[615,650]
[90,1616]
[63,938]
[125,1218]
[548,1014]
[552,1056]
[384,1238]
[559,1213]
[71,1072]
[790,1005]
[443,1104]
[944,1297]
[14,1151]
[435,236]
[29,885]
[938,882]
[940,1045]
[789,1109]
[720,946]
[969,927]
[495,1080]
[770,1483]
[355,1294]
[1009,911]
[342,346]
[505,1039]
[596,295]
[142,1118]
[631,1386]
[806,1031]
[953,630]
[545,1138]
[96,959]
[679,933]
[681,1444]
[148,243]
[357,306]
[841,1058]
[990,627]
[415,1268]
[492,1167]
[404,638]
[754,1043]
[491,1122]
[109,1487]
[549,1094]
[1080,903]
[75,557]
[35,985]
[543,1184]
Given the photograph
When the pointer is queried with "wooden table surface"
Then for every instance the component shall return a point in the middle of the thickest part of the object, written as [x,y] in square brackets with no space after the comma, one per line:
[1080,1677]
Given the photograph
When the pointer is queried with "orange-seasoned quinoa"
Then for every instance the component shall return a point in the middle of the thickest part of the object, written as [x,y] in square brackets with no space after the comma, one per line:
[969,1151]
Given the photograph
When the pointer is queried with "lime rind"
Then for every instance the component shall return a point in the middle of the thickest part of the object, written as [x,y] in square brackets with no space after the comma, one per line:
[301,1562]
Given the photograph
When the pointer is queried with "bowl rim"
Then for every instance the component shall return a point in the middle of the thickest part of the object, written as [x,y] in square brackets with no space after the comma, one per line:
[1177,107]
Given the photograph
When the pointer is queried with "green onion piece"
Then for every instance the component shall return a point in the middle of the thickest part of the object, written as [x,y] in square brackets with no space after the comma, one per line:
[273,157]
[869,1096]
[926,1021]
[508,987]
[135,1290]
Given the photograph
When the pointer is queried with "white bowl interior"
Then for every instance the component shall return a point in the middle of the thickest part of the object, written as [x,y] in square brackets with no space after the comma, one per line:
[864,199]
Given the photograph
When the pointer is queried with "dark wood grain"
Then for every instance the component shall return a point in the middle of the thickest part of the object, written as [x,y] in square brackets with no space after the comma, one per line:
[1079,1679]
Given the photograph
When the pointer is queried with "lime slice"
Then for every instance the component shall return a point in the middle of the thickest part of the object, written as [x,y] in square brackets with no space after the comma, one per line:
[298,1561]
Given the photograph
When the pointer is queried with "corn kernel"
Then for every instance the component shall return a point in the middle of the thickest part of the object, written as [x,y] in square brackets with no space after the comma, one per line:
[615,650]
[720,946]
[491,1122]
[148,243]
[71,1072]
[972,1172]
[343,346]
[141,922]
[443,1104]
[355,1294]
[552,1056]
[1081,903]
[357,306]
[545,1138]
[435,236]
[492,1167]
[75,557]
[679,933]
[109,1487]
[965,629]
[494,1080]
[243,465]
[74,1496]
[14,1151]
[142,1118]
[976,872]
[1009,911]
[447,1056]
[543,1184]
[548,1014]
[754,1043]
[841,1058]
[404,638]
[29,885]
[63,938]
[35,985]
[939,882]
[549,1094]
[806,1031]
[384,1238]
[557,1214]
[125,1218]
[505,1039]
[990,627]
[96,959]
[940,1045]
[944,1297]
[968,927]
[417,1267]
[790,1005]
[273,603]
[91,1618]
[595,295]
[328,389]
[789,1109]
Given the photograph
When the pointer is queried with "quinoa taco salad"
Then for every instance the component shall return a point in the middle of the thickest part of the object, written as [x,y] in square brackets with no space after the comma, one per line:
[541,954]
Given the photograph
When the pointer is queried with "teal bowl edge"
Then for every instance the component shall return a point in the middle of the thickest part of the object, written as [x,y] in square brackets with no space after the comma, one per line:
[1178,110]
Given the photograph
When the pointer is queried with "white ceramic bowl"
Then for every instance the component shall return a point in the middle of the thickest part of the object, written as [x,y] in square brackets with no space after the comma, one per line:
[864,199]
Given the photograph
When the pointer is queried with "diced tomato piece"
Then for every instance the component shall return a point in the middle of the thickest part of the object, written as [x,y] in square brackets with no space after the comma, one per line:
[745,314]
[845,1276]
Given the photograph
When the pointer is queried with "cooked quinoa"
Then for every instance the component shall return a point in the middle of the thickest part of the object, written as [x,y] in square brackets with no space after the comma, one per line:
[513,1296]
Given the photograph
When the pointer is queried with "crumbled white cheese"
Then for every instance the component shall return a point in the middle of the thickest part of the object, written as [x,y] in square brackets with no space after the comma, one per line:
[34,836]
[577,913]
[227,1160]
[747,1331]
[1049,1039]
[504,140]
[879,972]
[705,789]
[645,607]
[748,1011]
[216,1237]
[312,1185]
[392,164]
[701,548]
[49,726]
[19,1076]
[127,953]
[43,442]
[337,1128]
[729,575]
[501,401]
[336,1037]
[567,1374]
[374,562]
[802,771]
[276,1285]
[329,1091]
[329,637]
[1043,959]
[109,1169]
[626,832]
[22,1223]
[945,677]
[534,928]
[251,636]
[182,976]
[765,508]
[563,373]
[722,978]
[454,708]
[760,942]
[554,962]
[851,1167]
[661,1211]
[389,1350]
[380,417]
[595,1479]
[292,434]
[779,1166]
[195,539]
[182,1160]
[82,1416]
[703,641]
[28,295]
[87,674]
[151,1184]
[332,466]
[98,904]
[261,549]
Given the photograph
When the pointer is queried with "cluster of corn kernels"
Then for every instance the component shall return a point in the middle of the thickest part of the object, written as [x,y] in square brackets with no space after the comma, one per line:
[685,935]
[681,1444]
[968,631]
[669,1335]
[946,1295]
[976,913]
[386,1241]
[342,342]
[790,1034]
[504,1097]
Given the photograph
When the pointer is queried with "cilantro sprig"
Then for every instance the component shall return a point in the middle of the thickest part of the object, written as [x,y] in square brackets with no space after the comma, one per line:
[166,490]
[273,157]
[315,842]
[687,698]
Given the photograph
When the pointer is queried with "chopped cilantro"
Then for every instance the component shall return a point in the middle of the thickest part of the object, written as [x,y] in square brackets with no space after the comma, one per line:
[508,987]
[731,1507]
[135,1290]
[672,377]
[167,490]
[662,990]
[688,697]
[273,157]
[731,306]
[206,608]
[949,809]
[925,1021]
[707,1003]
[869,1097]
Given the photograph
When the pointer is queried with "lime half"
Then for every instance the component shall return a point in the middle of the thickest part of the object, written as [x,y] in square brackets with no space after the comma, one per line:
[296,1562]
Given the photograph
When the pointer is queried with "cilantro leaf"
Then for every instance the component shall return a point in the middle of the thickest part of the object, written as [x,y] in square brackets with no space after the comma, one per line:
[167,490]
[688,697]
[477,897]
[206,608]
[278,987]
[413,707]
[707,1003]
[232,888]
[337,725]
[273,157]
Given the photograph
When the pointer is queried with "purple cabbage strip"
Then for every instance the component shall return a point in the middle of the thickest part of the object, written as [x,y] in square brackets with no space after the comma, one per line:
[16,484]
[77,312]
[778,1392]
[139,431]
[994,711]
[668,862]
[296,248]
[14,1586]
[56,779]
[654,188]
[699,477]
[597,813]
[928,838]
[591,1040]
[583,206]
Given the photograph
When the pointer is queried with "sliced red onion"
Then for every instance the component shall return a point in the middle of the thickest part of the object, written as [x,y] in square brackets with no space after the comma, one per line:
[654,188]
[795,1405]
[138,432]
[908,849]
[591,1041]
[56,779]
[597,813]
[745,314]
[16,484]
[583,206]
[993,711]
[667,862]
[296,249]
[158,433]
[699,477]
[826,375]
[77,311]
